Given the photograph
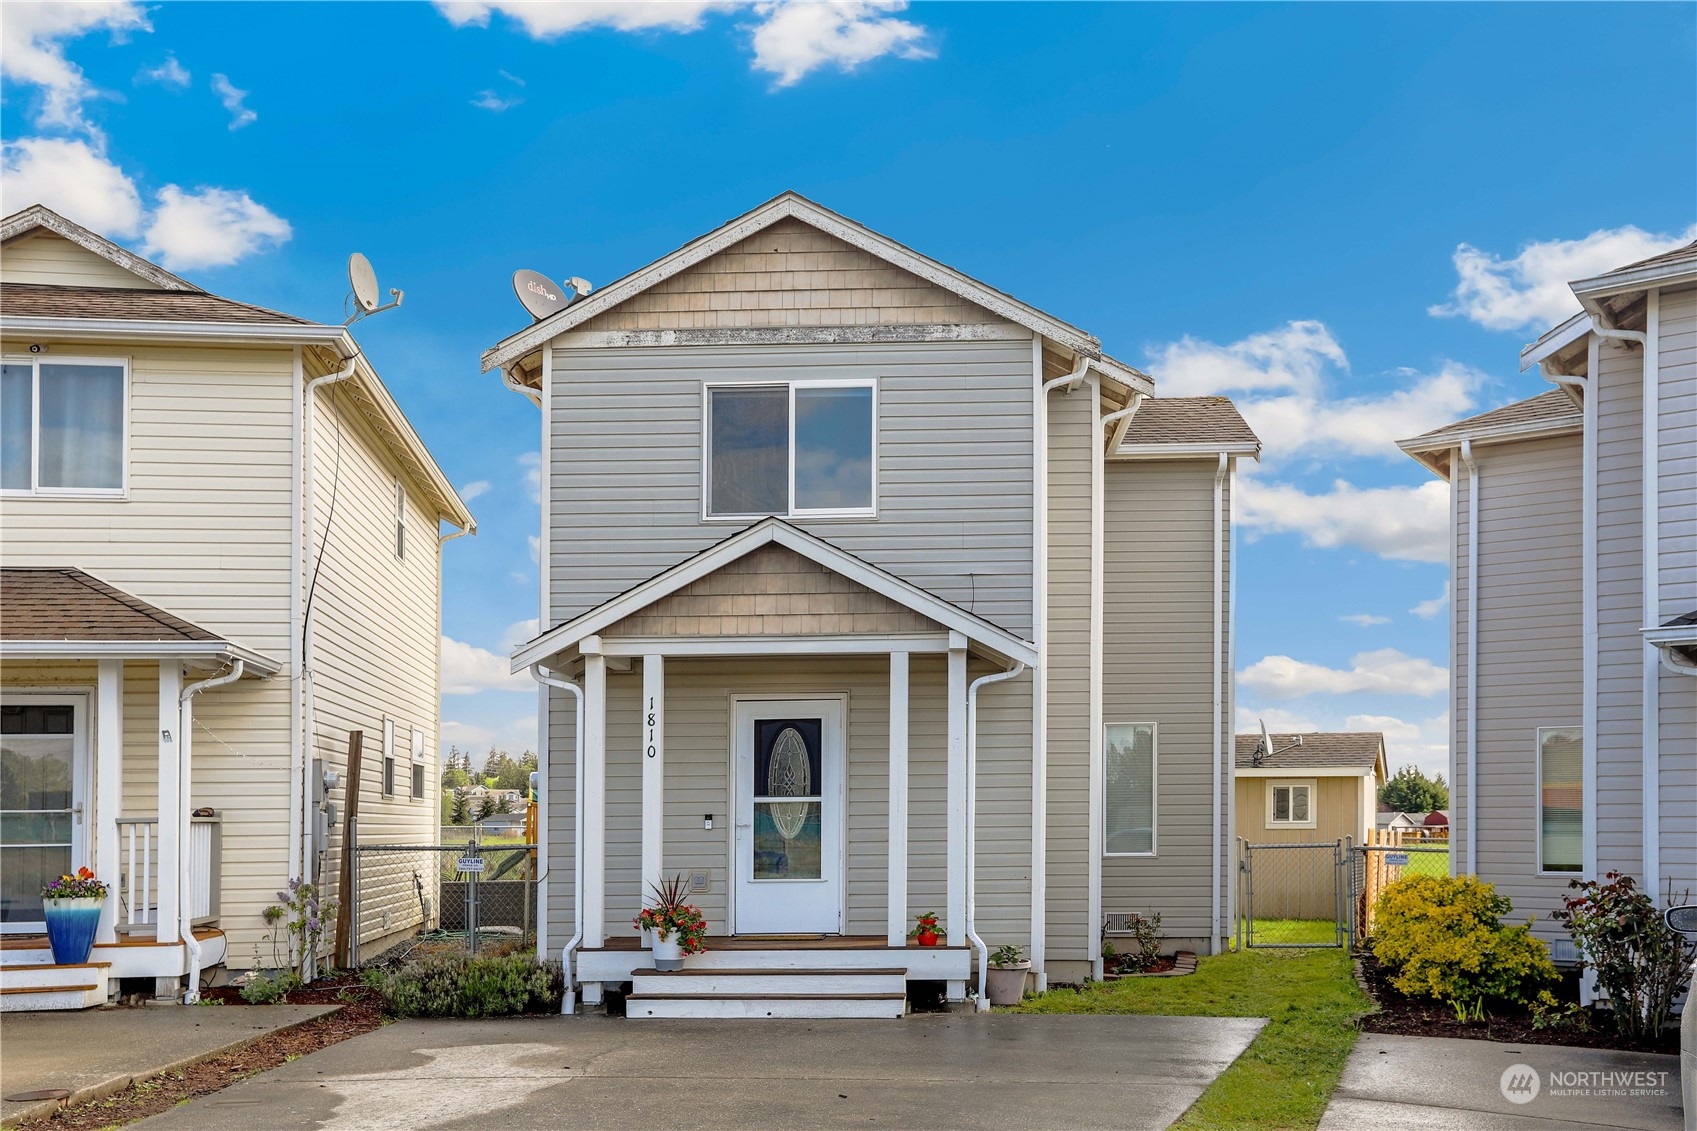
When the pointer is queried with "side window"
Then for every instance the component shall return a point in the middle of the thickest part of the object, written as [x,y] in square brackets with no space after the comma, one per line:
[388,757]
[63,428]
[1128,793]
[417,764]
[1290,803]
[400,521]
[1561,799]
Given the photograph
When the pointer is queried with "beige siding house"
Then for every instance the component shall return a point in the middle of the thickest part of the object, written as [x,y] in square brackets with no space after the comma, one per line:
[852,612]
[188,629]
[1574,639]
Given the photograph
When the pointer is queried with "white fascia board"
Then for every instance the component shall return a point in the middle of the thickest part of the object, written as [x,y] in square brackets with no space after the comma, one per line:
[1555,340]
[787,206]
[1499,433]
[1133,378]
[1184,451]
[1297,772]
[256,663]
[1671,636]
[41,218]
[1655,275]
[762,533]
[871,644]
[129,330]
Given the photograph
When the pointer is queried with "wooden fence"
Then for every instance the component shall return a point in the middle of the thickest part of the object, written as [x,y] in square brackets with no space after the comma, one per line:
[1390,854]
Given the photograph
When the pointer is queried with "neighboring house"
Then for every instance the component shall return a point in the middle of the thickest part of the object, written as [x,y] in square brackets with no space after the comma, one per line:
[1436,824]
[1391,821]
[1324,789]
[1573,634]
[885,593]
[219,532]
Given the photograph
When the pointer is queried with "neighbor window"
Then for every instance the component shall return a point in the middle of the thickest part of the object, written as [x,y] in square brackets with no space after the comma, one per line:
[1290,803]
[417,763]
[790,449]
[1561,799]
[62,427]
[400,521]
[1128,793]
[388,757]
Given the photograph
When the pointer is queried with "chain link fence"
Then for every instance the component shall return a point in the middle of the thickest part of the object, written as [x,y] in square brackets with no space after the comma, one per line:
[468,892]
[1295,895]
[1380,865]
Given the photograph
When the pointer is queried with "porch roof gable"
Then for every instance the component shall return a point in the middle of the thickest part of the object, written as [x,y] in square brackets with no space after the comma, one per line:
[766,532]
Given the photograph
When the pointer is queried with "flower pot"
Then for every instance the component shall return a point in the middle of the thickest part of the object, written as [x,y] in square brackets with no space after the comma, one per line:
[668,951]
[71,924]
[927,938]
[1005,985]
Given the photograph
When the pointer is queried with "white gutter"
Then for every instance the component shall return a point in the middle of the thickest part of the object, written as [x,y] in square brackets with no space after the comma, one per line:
[972,827]
[303,867]
[568,1002]
[530,394]
[1472,656]
[1217,834]
[123,329]
[185,819]
[1651,508]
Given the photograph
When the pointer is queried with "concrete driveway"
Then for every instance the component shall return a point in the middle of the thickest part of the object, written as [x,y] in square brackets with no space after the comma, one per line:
[1439,1084]
[922,1071]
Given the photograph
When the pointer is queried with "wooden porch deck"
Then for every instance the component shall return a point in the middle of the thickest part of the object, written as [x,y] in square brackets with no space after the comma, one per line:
[782,942]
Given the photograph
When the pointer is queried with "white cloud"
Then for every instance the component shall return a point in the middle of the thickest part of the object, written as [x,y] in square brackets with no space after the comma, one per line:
[32,42]
[1278,720]
[1292,357]
[1385,670]
[211,227]
[511,735]
[232,99]
[519,632]
[510,77]
[1431,608]
[1530,290]
[795,38]
[532,464]
[73,178]
[489,100]
[1364,620]
[168,73]
[468,669]
[789,38]
[474,489]
[535,552]
[1401,523]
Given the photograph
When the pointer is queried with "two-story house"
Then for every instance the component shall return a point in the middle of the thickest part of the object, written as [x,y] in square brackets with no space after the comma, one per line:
[1574,619]
[868,590]
[221,546]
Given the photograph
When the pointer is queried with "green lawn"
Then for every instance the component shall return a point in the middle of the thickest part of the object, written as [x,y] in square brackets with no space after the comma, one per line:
[1296,932]
[1286,1076]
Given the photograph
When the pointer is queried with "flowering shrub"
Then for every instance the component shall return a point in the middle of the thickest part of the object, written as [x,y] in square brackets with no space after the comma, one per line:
[301,915]
[1639,961]
[83,885]
[672,915]
[458,985]
[1442,937]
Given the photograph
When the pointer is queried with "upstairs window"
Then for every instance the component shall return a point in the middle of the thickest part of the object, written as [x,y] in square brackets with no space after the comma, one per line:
[62,427]
[791,449]
[1128,794]
[1561,799]
[400,522]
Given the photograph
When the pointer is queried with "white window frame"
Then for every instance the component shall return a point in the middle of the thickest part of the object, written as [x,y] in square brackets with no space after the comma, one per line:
[707,389]
[34,491]
[400,521]
[1312,785]
[417,767]
[1154,788]
[387,785]
[1538,802]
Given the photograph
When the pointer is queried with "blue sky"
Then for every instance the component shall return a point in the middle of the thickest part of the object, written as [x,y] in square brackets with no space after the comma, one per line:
[1348,218]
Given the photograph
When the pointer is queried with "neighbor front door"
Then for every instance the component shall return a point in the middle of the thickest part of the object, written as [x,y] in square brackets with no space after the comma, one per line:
[789,817]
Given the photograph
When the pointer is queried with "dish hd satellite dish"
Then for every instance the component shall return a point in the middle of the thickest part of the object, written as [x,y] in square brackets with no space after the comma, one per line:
[542,296]
[364,282]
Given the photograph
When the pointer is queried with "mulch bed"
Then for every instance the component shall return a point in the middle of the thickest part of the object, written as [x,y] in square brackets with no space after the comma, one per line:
[1402,1015]
[1115,967]
[360,1012]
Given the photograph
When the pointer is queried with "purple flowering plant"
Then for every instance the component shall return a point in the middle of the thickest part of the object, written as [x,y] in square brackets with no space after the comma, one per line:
[297,927]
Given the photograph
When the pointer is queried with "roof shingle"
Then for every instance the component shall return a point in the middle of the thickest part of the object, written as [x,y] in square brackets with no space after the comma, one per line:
[40,300]
[1552,407]
[61,604]
[1319,750]
[1187,420]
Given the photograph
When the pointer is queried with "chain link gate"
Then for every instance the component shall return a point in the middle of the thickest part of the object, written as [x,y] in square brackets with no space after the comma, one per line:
[1296,895]
[470,893]
[1377,865]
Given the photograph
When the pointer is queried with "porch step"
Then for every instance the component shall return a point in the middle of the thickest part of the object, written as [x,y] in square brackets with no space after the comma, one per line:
[750,982]
[657,1006]
[46,986]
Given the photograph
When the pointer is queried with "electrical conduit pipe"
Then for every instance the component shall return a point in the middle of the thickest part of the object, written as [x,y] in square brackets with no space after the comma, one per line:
[972,827]
[568,1001]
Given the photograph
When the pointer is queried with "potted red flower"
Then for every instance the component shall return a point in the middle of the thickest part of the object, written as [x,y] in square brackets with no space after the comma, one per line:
[927,931]
[70,905]
[676,926]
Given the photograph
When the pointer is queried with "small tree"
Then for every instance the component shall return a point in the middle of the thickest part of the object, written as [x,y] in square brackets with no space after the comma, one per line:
[487,808]
[1410,791]
[460,814]
[503,804]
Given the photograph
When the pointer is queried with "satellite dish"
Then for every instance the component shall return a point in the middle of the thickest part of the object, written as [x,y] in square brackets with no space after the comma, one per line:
[542,296]
[1266,743]
[364,281]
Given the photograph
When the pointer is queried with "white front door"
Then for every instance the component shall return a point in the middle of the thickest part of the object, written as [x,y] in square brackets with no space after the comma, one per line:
[789,817]
[43,788]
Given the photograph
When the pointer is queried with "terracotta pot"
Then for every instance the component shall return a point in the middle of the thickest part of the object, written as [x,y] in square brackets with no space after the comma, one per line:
[1005,985]
[927,938]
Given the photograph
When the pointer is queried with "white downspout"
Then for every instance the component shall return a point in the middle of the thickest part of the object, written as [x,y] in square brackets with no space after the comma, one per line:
[1651,507]
[530,394]
[568,1002]
[309,740]
[1216,836]
[1472,656]
[185,819]
[972,827]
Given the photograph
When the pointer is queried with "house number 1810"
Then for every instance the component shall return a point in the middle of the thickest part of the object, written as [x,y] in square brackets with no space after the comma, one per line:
[653,750]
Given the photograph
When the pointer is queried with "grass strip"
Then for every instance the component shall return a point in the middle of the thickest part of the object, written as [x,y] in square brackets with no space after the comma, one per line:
[1285,1077]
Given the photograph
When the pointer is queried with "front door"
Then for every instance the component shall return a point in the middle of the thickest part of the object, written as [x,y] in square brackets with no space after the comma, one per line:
[42,775]
[789,817]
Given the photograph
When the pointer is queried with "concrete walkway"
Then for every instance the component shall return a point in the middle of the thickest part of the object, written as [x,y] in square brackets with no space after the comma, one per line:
[922,1071]
[97,1052]
[1438,1084]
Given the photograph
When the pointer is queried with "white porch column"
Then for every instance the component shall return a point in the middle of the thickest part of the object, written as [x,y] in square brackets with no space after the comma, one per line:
[898,800]
[955,901]
[166,909]
[594,894]
[653,775]
[108,788]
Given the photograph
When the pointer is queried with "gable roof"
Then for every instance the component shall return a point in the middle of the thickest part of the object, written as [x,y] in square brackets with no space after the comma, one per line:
[766,532]
[1186,425]
[1356,751]
[1547,414]
[792,204]
[46,300]
[1657,270]
[39,217]
[65,611]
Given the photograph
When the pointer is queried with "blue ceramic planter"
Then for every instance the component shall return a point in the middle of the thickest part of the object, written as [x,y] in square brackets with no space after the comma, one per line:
[71,924]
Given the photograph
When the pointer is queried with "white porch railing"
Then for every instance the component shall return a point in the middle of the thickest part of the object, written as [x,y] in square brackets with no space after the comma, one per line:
[138,875]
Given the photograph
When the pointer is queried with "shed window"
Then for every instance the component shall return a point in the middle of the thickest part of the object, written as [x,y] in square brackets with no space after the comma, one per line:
[1290,803]
[1128,795]
[62,427]
[1561,799]
[790,449]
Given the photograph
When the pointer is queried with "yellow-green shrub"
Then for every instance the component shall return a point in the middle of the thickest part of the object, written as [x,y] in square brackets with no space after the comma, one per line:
[1443,937]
